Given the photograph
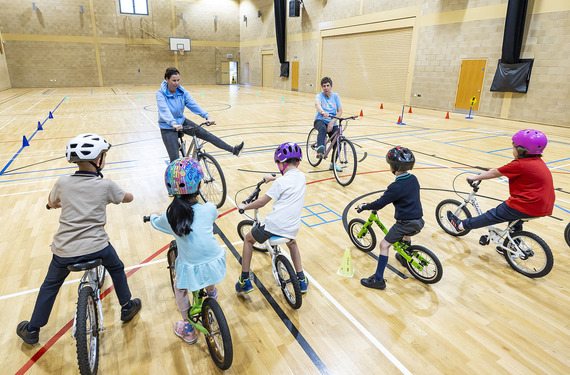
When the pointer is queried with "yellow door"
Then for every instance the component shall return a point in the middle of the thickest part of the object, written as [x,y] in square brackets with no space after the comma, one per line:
[470,84]
[267,69]
[225,72]
[295,76]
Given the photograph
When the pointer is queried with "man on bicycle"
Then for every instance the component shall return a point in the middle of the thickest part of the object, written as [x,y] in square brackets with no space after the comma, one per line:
[327,104]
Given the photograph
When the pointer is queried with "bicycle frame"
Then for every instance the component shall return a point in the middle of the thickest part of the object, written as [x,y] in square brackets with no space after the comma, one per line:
[337,136]
[195,147]
[398,246]
[90,278]
[196,310]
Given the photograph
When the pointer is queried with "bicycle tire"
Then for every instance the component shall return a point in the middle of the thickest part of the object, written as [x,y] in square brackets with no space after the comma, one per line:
[432,269]
[365,243]
[345,158]
[243,228]
[87,332]
[311,148]
[453,206]
[213,188]
[567,234]
[289,285]
[538,261]
[101,276]
[171,256]
[215,322]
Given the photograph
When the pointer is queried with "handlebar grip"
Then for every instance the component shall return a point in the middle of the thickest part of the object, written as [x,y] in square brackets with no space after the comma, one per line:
[48,207]
[146,219]
[241,211]
[359,210]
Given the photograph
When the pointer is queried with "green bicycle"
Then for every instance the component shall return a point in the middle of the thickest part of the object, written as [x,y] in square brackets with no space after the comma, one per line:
[422,263]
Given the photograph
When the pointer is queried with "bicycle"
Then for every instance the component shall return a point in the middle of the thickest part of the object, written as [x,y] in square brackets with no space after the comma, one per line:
[344,153]
[567,234]
[213,187]
[282,269]
[524,251]
[88,320]
[205,315]
[422,263]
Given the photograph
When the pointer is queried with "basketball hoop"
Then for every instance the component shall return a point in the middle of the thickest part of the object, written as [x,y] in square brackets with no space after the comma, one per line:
[181,50]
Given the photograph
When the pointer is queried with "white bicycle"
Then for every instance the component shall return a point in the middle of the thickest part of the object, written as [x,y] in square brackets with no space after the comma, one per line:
[283,272]
[524,251]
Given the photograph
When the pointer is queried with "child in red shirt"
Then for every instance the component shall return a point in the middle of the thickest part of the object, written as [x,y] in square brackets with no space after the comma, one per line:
[530,185]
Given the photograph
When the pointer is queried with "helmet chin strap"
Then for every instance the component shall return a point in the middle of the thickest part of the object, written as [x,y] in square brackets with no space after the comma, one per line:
[98,167]
[285,165]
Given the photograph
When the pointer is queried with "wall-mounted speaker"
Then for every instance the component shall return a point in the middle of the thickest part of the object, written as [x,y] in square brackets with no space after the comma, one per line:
[294,8]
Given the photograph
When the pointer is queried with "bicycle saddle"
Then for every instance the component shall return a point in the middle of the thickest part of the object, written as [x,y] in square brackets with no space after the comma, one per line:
[84,266]
[276,240]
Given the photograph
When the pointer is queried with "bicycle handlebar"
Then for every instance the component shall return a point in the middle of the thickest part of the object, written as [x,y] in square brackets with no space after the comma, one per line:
[474,184]
[48,206]
[253,196]
[146,219]
[206,123]
[344,118]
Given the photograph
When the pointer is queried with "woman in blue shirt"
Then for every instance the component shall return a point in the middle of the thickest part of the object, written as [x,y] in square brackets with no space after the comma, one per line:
[171,100]
[327,104]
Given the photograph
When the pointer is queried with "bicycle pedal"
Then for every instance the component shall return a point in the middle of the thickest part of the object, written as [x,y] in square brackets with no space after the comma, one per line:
[484,240]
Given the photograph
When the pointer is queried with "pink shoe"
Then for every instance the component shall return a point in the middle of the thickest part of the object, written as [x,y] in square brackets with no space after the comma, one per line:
[213,294]
[185,331]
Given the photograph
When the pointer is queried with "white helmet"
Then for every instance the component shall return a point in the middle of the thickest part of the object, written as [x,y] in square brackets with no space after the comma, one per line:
[85,147]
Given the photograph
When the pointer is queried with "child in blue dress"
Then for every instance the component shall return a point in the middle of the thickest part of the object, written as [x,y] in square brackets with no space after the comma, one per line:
[201,261]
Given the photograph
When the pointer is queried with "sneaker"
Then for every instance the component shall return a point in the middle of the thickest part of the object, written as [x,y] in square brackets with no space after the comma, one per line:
[371,282]
[304,284]
[500,250]
[244,286]
[127,314]
[338,169]
[320,151]
[454,221]
[185,331]
[401,259]
[213,294]
[28,337]
[237,149]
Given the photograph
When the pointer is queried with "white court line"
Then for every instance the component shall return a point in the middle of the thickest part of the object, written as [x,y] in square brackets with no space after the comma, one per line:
[152,122]
[134,105]
[8,296]
[38,102]
[3,126]
[355,322]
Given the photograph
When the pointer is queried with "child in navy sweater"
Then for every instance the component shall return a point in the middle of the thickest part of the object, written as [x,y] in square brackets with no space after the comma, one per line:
[404,193]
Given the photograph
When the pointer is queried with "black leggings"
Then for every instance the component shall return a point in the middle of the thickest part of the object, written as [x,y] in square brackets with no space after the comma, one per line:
[170,139]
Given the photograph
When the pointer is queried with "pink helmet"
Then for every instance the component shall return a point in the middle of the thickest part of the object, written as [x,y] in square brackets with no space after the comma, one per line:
[286,151]
[533,140]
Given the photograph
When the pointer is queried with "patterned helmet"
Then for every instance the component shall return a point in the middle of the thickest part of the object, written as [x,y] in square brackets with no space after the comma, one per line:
[183,176]
[533,141]
[286,151]
[85,147]
[400,159]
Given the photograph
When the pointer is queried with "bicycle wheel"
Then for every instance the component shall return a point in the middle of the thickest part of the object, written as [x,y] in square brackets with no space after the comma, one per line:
[213,187]
[100,276]
[535,258]
[431,271]
[367,242]
[312,148]
[87,332]
[567,234]
[345,158]
[171,256]
[243,228]
[218,339]
[288,281]
[453,206]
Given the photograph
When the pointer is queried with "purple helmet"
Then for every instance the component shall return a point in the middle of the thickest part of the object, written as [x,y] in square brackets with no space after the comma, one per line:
[287,151]
[533,140]
[183,176]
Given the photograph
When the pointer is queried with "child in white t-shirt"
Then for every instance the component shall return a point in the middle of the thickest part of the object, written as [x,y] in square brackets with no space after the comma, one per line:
[285,219]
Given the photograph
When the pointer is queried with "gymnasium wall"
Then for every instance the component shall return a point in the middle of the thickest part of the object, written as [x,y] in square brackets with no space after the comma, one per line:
[4,76]
[56,45]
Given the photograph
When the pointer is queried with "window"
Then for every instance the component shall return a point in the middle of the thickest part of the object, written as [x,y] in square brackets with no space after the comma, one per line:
[134,6]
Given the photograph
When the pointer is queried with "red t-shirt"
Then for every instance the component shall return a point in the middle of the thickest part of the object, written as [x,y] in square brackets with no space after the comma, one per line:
[530,186]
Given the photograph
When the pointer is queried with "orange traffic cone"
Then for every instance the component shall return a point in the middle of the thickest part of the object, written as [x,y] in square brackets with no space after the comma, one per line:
[410,111]
[361,114]
[399,120]
[447,116]
[381,106]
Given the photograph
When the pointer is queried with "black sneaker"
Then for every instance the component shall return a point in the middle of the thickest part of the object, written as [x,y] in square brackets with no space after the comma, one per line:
[371,282]
[500,250]
[237,149]
[28,337]
[454,221]
[128,314]
[401,259]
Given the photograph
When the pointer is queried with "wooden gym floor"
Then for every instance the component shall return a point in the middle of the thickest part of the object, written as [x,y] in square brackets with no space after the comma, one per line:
[481,318]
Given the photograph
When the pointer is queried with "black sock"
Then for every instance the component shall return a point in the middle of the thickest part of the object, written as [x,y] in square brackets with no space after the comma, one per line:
[30,328]
[301,275]
[244,276]
[128,305]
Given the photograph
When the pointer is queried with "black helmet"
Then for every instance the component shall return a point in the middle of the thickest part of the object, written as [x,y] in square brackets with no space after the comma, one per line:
[400,159]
